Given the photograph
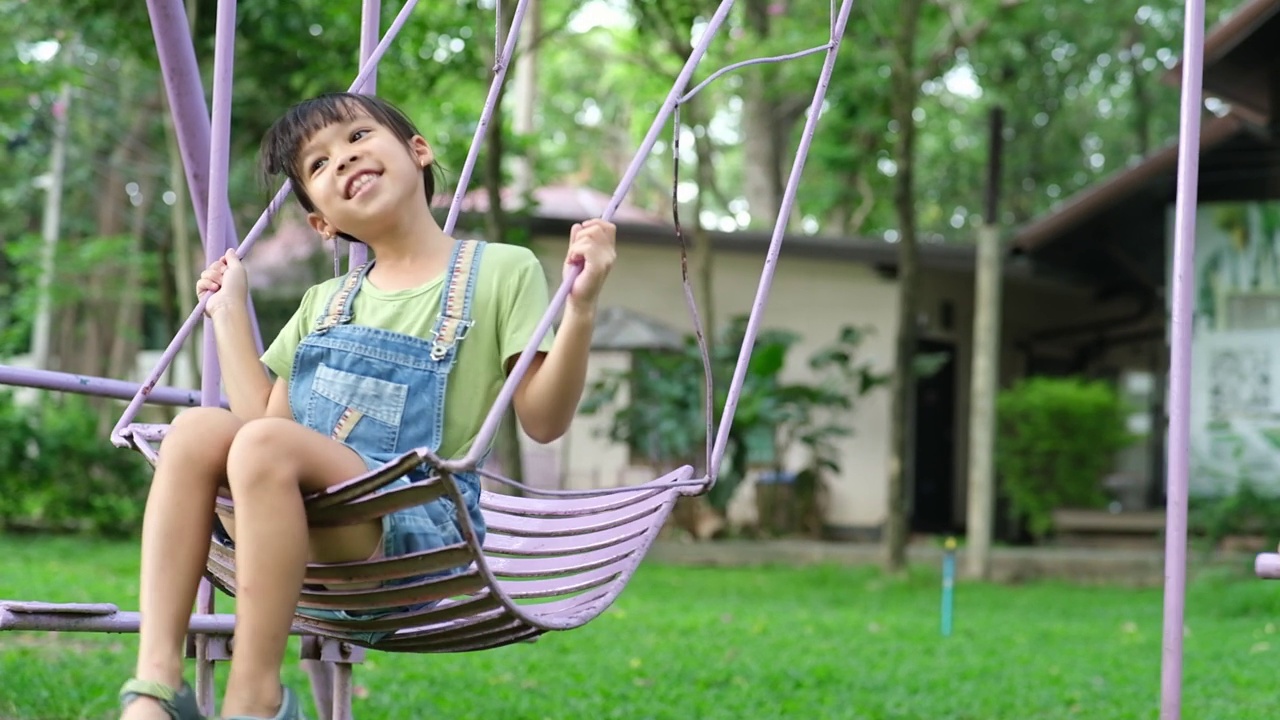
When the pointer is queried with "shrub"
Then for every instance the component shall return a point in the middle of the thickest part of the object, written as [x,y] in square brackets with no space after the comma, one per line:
[59,472]
[1056,439]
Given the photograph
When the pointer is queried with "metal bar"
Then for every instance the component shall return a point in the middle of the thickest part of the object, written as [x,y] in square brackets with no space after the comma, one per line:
[775,243]
[97,386]
[185,91]
[219,211]
[482,125]
[490,426]
[370,16]
[118,432]
[1184,243]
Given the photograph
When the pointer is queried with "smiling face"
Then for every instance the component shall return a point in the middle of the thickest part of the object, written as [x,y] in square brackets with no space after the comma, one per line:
[359,172]
[356,163]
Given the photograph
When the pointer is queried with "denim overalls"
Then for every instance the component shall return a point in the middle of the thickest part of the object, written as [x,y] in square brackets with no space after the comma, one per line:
[382,394]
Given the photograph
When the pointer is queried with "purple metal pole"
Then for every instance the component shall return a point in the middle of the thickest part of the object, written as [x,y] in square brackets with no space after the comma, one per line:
[370,14]
[221,237]
[477,139]
[89,385]
[1184,244]
[117,433]
[219,211]
[490,426]
[185,92]
[775,243]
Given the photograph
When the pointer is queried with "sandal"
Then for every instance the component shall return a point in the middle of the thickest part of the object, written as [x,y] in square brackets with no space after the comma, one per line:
[180,704]
[289,709]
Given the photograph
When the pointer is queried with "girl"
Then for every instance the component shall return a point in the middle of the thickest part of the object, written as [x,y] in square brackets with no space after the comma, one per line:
[363,372]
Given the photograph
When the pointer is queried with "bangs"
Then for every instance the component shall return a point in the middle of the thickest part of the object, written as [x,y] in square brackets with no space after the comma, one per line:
[286,137]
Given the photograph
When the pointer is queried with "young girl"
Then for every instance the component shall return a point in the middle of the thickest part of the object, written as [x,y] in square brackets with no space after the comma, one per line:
[365,370]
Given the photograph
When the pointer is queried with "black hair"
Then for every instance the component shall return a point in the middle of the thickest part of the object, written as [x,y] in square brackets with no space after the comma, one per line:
[287,135]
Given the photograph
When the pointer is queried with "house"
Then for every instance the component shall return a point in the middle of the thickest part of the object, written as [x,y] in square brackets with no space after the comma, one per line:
[821,284]
[1120,231]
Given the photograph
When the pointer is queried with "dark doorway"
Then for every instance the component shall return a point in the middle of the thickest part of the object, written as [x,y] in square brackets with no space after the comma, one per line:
[933,492]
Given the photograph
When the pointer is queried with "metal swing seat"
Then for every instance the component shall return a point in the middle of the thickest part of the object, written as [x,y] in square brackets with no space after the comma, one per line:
[548,563]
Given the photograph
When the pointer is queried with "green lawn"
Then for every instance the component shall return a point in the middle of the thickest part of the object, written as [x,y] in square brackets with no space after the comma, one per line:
[689,643]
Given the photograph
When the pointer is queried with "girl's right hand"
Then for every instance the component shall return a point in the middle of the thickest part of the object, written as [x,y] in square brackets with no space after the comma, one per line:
[229,282]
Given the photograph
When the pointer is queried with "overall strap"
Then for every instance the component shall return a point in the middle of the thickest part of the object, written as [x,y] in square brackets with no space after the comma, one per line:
[455,298]
[339,306]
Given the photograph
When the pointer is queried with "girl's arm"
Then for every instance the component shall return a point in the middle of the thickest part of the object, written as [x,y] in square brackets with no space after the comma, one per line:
[249,391]
[548,396]
[248,387]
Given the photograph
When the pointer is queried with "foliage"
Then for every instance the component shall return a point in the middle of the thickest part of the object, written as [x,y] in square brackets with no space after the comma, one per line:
[719,643]
[71,282]
[58,472]
[1248,510]
[1056,437]
[663,419]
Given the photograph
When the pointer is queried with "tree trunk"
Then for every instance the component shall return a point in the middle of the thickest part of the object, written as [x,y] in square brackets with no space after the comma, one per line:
[526,99]
[765,126]
[1141,97]
[181,272]
[507,440]
[905,88]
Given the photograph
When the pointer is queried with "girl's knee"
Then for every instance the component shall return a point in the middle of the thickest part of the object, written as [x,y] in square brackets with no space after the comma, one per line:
[205,421]
[259,452]
[201,431]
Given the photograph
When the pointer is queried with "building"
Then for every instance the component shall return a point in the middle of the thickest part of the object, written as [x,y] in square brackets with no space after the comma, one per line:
[1120,232]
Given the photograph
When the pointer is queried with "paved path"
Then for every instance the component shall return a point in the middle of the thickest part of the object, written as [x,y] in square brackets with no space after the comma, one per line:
[1008,564]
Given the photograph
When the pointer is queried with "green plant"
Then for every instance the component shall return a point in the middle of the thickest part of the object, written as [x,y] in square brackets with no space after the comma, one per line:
[57,471]
[664,419]
[1248,510]
[1056,439]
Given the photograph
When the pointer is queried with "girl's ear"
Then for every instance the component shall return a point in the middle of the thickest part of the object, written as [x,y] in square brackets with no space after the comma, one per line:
[421,151]
[321,225]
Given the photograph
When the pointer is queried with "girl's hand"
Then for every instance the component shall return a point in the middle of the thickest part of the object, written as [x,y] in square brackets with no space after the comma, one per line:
[593,245]
[229,282]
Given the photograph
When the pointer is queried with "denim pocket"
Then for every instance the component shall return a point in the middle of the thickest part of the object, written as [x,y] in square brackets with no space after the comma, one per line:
[362,411]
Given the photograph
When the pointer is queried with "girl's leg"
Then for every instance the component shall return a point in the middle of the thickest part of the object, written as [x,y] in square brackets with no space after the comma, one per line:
[272,462]
[176,528]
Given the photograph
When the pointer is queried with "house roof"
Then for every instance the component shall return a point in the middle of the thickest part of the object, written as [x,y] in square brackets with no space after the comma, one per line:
[1239,54]
[1239,159]
[1123,185]
[562,202]
[290,251]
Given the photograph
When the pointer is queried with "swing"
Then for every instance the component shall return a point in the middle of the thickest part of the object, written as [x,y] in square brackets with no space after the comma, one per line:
[548,563]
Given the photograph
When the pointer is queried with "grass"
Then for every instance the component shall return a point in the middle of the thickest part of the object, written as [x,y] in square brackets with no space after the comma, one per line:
[740,644]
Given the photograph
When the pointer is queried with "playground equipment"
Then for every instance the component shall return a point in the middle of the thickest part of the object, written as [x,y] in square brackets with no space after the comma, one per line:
[547,564]
[584,546]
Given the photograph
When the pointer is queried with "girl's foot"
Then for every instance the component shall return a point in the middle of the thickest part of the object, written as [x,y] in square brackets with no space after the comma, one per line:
[142,699]
[288,709]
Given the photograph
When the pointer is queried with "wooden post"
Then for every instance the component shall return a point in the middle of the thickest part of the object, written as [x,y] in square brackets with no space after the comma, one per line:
[985,371]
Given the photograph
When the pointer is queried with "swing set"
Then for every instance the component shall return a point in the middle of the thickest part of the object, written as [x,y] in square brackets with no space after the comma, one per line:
[556,561]
[551,562]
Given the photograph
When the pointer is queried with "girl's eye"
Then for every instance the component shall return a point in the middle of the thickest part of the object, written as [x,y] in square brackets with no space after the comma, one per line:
[358,134]
[316,164]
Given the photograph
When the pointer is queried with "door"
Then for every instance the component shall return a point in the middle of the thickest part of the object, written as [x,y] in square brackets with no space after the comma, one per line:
[933,489]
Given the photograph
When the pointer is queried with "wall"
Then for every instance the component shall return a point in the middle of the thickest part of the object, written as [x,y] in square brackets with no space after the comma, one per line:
[1235,407]
[811,297]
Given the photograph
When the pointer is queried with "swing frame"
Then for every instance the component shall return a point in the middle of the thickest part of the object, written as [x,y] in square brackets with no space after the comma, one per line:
[597,537]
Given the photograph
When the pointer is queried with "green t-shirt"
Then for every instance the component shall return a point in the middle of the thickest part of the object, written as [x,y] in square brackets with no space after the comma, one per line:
[509,299]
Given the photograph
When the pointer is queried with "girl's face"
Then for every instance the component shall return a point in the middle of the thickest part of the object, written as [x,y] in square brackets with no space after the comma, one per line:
[361,176]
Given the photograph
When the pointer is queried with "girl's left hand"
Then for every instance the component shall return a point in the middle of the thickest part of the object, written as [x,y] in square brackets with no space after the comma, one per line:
[593,244]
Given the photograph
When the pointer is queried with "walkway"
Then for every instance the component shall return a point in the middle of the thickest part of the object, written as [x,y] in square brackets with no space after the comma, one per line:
[1137,567]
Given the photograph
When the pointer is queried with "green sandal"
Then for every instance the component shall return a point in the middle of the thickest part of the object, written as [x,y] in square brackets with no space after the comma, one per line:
[288,709]
[180,704]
